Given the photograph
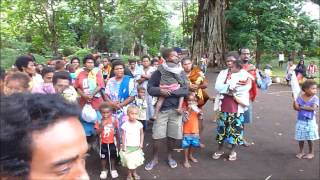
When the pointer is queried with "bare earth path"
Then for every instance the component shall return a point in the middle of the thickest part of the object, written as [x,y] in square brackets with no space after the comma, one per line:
[271,155]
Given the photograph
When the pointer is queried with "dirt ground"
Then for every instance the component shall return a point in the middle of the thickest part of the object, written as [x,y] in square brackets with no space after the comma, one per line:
[271,155]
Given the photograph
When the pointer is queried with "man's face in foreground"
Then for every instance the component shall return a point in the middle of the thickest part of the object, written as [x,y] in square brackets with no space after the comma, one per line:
[59,151]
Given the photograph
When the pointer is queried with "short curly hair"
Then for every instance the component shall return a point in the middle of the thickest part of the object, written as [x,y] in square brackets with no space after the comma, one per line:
[23,61]
[118,63]
[307,84]
[21,115]
[21,77]
[61,75]
[88,57]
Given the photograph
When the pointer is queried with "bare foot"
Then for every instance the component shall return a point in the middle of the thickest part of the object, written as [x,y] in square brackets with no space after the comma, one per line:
[193,159]
[245,143]
[186,164]
[308,156]
[300,155]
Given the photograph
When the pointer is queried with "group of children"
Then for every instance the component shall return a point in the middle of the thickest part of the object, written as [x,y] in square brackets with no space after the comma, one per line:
[126,141]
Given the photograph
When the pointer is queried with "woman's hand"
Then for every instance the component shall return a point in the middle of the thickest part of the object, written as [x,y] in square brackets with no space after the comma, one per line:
[87,98]
[119,105]
[114,105]
[193,87]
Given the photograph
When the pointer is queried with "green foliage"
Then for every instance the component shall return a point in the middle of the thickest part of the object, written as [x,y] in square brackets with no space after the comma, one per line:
[69,50]
[143,20]
[76,27]
[125,58]
[81,53]
[190,12]
[270,25]
[8,57]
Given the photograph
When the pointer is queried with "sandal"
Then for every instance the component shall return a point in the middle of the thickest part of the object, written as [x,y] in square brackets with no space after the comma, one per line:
[217,155]
[129,177]
[246,143]
[114,174]
[150,165]
[172,163]
[136,176]
[233,156]
[308,156]
[103,174]
[300,155]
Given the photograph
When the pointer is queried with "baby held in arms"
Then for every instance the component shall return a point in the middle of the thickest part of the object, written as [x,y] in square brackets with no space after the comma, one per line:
[170,80]
[238,86]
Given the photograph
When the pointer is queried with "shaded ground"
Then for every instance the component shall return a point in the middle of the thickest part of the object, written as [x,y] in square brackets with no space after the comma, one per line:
[271,156]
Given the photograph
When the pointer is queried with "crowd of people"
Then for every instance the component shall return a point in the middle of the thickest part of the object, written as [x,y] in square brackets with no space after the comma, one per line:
[54,113]
[301,70]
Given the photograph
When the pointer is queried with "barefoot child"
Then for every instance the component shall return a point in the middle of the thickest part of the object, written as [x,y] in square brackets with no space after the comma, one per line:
[107,129]
[191,138]
[132,143]
[141,102]
[306,127]
[170,80]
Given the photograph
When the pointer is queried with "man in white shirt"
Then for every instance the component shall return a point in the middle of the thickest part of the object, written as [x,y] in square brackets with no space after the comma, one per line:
[281,59]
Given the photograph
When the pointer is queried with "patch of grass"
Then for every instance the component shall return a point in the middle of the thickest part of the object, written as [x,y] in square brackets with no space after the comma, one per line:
[125,58]
[281,72]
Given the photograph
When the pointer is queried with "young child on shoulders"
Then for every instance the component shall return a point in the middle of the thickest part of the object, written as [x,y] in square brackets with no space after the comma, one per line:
[191,138]
[306,127]
[131,153]
[107,129]
[141,102]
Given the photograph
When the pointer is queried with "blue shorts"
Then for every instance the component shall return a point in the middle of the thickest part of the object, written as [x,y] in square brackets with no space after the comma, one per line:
[89,127]
[190,141]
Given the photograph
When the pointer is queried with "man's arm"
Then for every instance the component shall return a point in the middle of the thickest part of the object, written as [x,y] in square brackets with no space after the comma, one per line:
[184,89]
[153,84]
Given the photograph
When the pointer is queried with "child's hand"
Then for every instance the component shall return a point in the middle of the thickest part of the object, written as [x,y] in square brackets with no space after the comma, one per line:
[296,106]
[141,146]
[123,147]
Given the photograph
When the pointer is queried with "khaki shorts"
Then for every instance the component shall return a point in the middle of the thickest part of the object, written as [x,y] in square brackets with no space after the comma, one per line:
[168,124]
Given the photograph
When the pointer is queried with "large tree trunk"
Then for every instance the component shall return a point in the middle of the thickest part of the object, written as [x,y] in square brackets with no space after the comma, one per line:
[132,48]
[208,32]
[50,14]
[101,37]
